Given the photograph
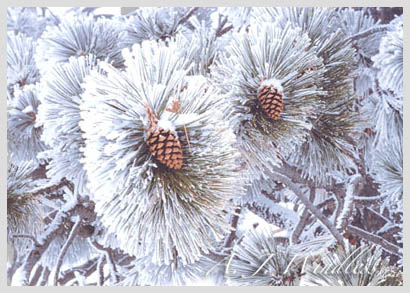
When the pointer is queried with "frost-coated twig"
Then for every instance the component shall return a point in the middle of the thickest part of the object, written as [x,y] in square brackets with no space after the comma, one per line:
[65,247]
[187,16]
[54,229]
[44,276]
[303,218]
[85,269]
[50,189]
[100,269]
[31,237]
[110,260]
[232,235]
[345,214]
[220,29]
[368,32]
[325,221]
[36,276]
[390,247]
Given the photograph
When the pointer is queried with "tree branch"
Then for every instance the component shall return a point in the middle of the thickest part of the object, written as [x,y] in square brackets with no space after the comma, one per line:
[65,247]
[187,16]
[54,229]
[390,247]
[36,276]
[303,219]
[368,32]
[110,260]
[44,277]
[100,269]
[325,221]
[234,224]
[26,236]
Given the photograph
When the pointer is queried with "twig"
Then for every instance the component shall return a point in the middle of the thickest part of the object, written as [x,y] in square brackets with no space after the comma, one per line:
[390,247]
[100,269]
[187,16]
[26,236]
[234,224]
[51,189]
[44,277]
[65,247]
[220,30]
[368,32]
[54,229]
[325,221]
[303,219]
[86,269]
[110,259]
[37,275]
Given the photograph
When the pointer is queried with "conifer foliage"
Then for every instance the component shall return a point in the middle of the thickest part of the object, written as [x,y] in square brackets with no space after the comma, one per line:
[218,146]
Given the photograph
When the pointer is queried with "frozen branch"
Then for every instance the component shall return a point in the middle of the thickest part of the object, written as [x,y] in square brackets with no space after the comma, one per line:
[85,269]
[303,218]
[368,32]
[100,269]
[51,189]
[110,260]
[44,276]
[389,247]
[232,235]
[325,221]
[55,228]
[26,236]
[65,247]
[220,29]
[351,190]
[187,16]
[36,276]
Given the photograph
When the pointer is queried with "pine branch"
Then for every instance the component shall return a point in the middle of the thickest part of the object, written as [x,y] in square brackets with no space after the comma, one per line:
[332,229]
[36,276]
[390,247]
[220,29]
[52,188]
[53,230]
[85,269]
[26,236]
[44,277]
[100,269]
[110,260]
[303,219]
[368,32]
[187,16]
[65,247]
[232,235]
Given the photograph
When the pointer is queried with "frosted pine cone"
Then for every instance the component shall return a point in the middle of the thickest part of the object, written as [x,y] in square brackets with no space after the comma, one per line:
[271,101]
[165,146]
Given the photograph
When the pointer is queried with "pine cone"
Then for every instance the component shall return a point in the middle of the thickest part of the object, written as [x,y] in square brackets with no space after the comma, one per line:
[165,146]
[271,101]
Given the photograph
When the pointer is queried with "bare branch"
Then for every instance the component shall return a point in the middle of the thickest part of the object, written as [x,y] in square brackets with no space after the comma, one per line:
[44,277]
[388,246]
[325,221]
[36,276]
[110,260]
[100,269]
[187,16]
[303,219]
[232,235]
[85,269]
[65,247]
[54,229]
[368,32]
[26,236]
